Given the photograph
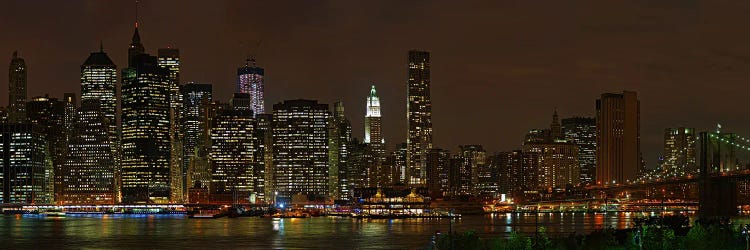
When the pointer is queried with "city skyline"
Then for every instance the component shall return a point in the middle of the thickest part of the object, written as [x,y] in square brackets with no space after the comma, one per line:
[584,77]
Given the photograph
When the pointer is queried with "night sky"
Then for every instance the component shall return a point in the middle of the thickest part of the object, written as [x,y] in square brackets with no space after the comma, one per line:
[499,68]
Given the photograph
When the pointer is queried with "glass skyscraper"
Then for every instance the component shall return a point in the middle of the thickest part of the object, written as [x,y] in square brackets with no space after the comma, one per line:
[146,146]
[250,81]
[419,117]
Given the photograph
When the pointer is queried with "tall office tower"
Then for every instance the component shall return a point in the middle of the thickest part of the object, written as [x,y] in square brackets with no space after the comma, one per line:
[581,131]
[250,81]
[26,173]
[339,141]
[480,179]
[71,111]
[231,153]
[459,176]
[558,157]
[679,151]
[396,161]
[362,167]
[618,138]
[558,164]
[196,99]
[17,89]
[419,117]
[300,146]
[373,123]
[146,146]
[99,82]
[169,58]
[510,166]
[89,172]
[47,116]
[263,156]
[438,165]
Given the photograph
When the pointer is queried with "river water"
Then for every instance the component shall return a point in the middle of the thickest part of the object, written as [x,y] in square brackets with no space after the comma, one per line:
[179,232]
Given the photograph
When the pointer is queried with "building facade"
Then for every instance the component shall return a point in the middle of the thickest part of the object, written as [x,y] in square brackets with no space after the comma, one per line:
[146,145]
[89,171]
[419,117]
[679,152]
[26,172]
[374,123]
[250,81]
[17,82]
[232,154]
[300,146]
[581,131]
[48,117]
[618,150]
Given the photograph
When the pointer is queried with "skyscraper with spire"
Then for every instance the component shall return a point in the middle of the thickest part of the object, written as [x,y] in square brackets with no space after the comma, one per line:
[17,89]
[250,81]
[146,140]
[419,117]
[135,48]
[373,123]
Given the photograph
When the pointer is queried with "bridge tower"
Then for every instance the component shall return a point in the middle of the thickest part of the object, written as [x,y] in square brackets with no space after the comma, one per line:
[717,197]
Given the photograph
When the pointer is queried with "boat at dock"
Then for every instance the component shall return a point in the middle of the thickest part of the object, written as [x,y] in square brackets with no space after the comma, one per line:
[53,213]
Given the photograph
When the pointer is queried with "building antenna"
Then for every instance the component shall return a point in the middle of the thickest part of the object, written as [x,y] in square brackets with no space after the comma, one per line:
[136,13]
[255,50]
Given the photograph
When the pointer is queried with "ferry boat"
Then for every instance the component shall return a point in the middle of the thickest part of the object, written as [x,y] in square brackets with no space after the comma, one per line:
[53,213]
[412,205]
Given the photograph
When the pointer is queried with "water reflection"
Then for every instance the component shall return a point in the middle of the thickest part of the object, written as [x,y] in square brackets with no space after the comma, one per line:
[175,231]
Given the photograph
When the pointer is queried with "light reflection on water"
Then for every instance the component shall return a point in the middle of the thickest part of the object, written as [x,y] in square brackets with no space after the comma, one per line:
[176,231]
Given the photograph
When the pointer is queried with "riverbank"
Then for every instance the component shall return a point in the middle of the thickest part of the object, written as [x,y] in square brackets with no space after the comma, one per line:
[655,233]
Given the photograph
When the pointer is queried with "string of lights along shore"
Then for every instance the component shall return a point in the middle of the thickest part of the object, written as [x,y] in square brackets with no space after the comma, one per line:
[141,134]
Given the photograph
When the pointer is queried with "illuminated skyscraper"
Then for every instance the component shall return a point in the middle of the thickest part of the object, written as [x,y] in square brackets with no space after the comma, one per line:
[557,157]
[618,136]
[438,166]
[17,89]
[679,151]
[99,83]
[196,99]
[339,147]
[250,81]
[169,58]
[373,123]
[89,172]
[25,173]
[581,131]
[300,146]
[146,146]
[263,156]
[419,117]
[48,117]
[231,156]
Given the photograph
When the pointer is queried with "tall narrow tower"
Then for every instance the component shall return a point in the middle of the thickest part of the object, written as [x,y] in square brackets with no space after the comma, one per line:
[618,135]
[99,83]
[250,81]
[17,89]
[373,123]
[419,117]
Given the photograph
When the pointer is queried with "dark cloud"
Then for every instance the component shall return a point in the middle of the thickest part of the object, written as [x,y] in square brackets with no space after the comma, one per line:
[499,67]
